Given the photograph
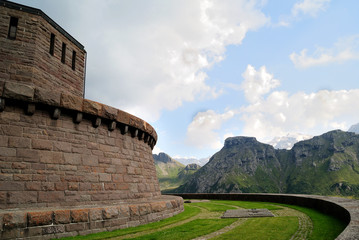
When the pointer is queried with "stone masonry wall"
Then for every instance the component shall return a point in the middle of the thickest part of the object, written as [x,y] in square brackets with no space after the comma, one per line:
[67,161]
[27,58]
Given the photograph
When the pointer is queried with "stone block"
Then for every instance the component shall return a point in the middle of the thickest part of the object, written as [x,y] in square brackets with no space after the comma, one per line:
[52,196]
[71,102]
[41,144]
[47,97]
[33,186]
[11,131]
[133,210]
[21,197]
[62,146]
[14,220]
[7,152]
[76,227]
[62,216]
[53,229]
[92,107]
[19,142]
[158,206]
[109,112]
[40,218]
[95,214]
[79,215]
[110,212]
[72,159]
[11,186]
[18,91]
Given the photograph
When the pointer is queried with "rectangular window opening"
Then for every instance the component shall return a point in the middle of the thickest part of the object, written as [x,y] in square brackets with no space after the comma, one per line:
[73,60]
[13,28]
[52,44]
[63,54]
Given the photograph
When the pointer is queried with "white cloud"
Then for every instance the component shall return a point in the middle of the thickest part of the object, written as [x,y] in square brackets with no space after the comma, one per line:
[203,130]
[281,113]
[310,7]
[257,83]
[147,56]
[344,50]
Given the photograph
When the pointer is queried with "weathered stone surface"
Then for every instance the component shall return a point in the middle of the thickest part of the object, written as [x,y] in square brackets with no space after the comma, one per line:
[71,102]
[79,215]
[62,216]
[109,112]
[39,218]
[247,213]
[18,91]
[92,107]
[49,97]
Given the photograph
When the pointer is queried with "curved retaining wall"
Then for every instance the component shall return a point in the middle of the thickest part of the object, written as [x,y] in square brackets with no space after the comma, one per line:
[344,209]
[73,166]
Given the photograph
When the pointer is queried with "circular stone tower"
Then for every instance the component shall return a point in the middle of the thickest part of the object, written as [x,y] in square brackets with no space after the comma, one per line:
[68,165]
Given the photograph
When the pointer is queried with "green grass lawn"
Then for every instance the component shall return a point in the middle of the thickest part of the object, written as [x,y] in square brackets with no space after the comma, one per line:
[280,228]
[203,218]
[187,231]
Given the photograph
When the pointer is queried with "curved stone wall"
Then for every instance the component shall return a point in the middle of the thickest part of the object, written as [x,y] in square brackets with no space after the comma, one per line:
[344,209]
[70,151]
[73,166]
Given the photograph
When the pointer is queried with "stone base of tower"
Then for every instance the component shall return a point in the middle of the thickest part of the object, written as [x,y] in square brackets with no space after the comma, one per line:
[48,223]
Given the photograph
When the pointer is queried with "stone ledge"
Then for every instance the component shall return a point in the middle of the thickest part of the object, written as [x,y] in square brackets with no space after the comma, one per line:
[56,99]
[80,220]
[344,209]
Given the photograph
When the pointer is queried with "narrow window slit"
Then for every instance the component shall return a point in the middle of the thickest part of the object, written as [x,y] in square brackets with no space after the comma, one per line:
[73,60]
[63,54]
[13,28]
[52,44]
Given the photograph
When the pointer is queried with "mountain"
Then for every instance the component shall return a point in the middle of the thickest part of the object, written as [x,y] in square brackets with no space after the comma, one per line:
[288,141]
[326,164]
[171,173]
[354,128]
[190,160]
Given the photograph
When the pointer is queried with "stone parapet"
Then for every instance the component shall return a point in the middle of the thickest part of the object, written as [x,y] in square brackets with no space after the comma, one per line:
[49,223]
[344,209]
[59,100]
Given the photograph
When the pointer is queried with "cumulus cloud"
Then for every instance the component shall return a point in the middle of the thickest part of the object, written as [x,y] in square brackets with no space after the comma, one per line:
[344,50]
[313,113]
[310,7]
[257,83]
[147,56]
[203,130]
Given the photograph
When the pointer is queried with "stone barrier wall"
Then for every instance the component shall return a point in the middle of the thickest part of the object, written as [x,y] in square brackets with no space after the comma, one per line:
[344,209]
[49,223]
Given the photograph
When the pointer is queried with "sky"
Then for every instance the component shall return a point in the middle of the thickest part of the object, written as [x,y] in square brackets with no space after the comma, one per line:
[200,71]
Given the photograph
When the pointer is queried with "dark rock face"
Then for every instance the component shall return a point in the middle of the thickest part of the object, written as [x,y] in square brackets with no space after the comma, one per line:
[318,165]
[162,157]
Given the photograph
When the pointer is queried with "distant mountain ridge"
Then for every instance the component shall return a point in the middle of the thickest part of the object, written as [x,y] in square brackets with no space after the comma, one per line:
[326,164]
[171,173]
[354,128]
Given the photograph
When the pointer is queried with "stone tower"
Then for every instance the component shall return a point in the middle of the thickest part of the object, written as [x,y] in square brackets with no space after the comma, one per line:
[79,165]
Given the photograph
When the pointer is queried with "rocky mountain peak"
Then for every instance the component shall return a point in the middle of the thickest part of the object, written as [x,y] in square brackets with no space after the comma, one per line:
[162,157]
[235,141]
[192,166]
